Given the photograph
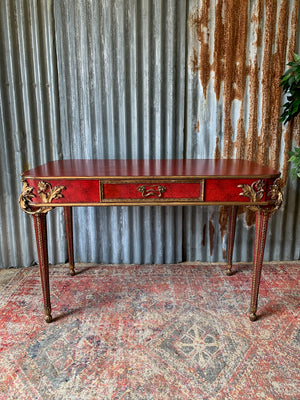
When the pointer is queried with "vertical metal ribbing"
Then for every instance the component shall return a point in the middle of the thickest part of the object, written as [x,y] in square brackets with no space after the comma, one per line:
[115,79]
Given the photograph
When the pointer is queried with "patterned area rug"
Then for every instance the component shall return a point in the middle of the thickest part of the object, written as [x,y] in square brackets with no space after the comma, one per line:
[149,333]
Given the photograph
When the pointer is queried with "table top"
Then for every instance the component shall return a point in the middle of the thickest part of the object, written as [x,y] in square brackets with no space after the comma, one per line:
[193,168]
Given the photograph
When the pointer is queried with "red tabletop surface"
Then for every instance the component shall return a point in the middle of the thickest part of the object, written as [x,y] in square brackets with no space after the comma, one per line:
[70,169]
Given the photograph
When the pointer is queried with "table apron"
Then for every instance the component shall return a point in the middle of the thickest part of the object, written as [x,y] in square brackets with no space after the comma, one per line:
[149,191]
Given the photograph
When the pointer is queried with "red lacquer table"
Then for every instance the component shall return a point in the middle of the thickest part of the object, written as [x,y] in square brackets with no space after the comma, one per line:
[70,183]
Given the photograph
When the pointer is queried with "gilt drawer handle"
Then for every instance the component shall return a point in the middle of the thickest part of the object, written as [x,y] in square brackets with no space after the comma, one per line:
[152,190]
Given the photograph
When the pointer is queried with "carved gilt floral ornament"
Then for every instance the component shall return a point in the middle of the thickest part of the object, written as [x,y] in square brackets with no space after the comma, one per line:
[255,193]
[46,193]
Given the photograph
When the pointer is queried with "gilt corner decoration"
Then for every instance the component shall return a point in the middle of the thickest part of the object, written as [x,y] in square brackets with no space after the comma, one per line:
[255,193]
[46,193]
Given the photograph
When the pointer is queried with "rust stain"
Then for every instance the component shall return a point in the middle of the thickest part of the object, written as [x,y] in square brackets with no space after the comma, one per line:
[240,143]
[250,217]
[235,68]
[219,49]
[199,20]
[278,61]
[194,62]
[223,220]
[229,67]
[241,73]
[272,27]
[293,31]
[252,134]
[217,154]
[229,57]
[224,215]
[240,46]
[224,254]
[197,126]
[296,131]
[267,68]
[256,19]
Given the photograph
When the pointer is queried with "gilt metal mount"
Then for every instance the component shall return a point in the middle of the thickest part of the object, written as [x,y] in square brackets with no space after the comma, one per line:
[152,190]
[46,193]
[255,193]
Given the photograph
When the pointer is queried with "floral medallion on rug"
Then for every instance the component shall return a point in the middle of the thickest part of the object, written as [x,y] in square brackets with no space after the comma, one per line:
[150,332]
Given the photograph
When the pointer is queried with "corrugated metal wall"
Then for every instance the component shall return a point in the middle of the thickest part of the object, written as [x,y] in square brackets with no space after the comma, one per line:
[144,79]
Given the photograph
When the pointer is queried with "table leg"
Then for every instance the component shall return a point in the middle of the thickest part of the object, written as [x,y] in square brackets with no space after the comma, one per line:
[69,234]
[261,226]
[231,232]
[40,227]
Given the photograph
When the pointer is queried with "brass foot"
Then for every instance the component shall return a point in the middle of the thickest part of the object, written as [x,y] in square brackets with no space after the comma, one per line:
[253,316]
[229,271]
[48,316]
[72,270]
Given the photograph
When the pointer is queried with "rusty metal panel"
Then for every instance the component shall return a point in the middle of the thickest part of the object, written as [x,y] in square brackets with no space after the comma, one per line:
[145,79]
[237,51]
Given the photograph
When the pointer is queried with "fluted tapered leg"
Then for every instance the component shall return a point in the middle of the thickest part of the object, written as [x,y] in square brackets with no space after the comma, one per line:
[261,226]
[40,227]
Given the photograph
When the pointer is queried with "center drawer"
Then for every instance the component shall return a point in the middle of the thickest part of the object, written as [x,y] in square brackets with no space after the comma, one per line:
[144,191]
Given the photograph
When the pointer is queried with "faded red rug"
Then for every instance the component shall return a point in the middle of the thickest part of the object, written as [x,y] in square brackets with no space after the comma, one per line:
[150,332]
